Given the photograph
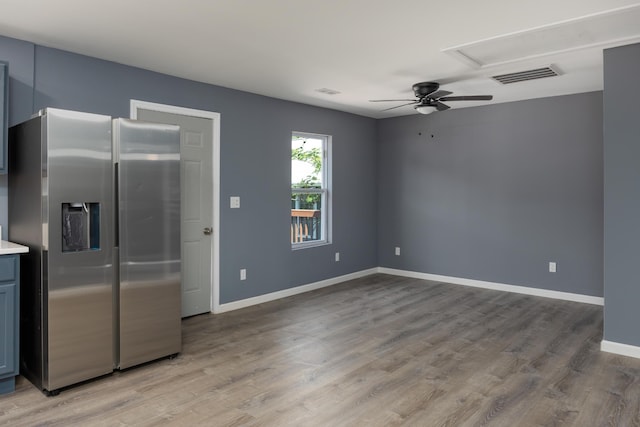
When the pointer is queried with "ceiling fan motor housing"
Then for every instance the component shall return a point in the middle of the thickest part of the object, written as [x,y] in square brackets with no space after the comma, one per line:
[425,88]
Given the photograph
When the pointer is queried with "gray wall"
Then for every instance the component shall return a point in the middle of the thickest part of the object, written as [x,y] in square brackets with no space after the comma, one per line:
[494,193]
[622,194]
[255,161]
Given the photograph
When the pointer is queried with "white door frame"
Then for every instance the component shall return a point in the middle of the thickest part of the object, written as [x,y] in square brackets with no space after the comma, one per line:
[215,121]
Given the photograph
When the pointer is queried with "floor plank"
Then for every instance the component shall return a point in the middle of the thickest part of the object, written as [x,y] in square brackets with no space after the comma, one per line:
[376,351]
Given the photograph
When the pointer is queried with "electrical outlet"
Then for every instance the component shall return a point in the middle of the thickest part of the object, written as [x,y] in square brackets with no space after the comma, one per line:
[243,274]
[397,250]
[234,202]
[337,256]
[552,267]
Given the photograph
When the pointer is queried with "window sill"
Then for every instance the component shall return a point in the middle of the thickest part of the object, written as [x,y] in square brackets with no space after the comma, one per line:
[305,245]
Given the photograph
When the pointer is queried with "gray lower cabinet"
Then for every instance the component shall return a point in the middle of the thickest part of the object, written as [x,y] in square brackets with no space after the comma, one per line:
[9,321]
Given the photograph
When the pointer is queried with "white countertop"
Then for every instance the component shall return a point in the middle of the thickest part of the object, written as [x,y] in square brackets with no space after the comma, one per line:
[8,248]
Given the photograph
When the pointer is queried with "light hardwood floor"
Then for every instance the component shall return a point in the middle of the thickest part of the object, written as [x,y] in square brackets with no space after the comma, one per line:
[377,351]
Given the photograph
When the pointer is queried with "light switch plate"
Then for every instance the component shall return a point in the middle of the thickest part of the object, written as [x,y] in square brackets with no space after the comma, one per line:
[234,202]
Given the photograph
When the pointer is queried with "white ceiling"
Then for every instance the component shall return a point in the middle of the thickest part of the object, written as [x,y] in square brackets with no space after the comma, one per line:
[365,49]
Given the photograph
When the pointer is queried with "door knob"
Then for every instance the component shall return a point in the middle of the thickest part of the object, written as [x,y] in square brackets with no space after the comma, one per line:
[207,230]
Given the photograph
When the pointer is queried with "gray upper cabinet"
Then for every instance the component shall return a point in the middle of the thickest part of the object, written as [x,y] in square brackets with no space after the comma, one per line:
[4,114]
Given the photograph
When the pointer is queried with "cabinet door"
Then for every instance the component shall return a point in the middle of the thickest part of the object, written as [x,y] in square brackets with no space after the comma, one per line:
[7,328]
[4,114]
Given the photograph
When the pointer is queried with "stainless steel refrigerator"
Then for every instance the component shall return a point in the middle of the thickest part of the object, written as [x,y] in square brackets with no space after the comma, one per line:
[98,203]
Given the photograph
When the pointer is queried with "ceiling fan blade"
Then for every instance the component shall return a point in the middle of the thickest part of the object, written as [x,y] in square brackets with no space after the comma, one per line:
[390,100]
[403,105]
[440,106]
[439,94]
[468,98]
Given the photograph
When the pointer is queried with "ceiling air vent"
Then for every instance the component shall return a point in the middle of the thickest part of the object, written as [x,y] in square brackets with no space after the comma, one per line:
[521,76]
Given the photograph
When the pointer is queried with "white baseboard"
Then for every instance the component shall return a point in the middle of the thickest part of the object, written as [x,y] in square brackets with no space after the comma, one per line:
[235,305]
[496,286]
[621,349]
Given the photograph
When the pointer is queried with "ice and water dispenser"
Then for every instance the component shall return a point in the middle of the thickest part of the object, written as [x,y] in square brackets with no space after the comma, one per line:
[80,226]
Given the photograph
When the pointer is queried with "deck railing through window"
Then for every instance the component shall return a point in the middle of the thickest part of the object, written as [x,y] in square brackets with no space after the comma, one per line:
[305,225]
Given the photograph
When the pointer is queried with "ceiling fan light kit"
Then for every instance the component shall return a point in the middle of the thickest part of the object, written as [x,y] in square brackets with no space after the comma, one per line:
[425,109]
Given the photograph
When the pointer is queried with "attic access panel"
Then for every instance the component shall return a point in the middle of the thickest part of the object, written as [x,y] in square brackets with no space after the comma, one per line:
[602,30]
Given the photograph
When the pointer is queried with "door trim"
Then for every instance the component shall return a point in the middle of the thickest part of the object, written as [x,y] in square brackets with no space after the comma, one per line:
[135,105]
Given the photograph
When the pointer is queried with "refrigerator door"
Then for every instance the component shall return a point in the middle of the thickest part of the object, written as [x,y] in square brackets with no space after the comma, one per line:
[148,166]
[77,247]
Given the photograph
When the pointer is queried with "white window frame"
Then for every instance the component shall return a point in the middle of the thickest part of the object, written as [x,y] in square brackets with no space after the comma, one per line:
[325,191]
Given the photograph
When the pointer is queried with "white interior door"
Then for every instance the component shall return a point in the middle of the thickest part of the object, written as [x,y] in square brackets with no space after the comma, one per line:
[197,229]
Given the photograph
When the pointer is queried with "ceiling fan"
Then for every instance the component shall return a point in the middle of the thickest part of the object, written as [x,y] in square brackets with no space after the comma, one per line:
[429,98]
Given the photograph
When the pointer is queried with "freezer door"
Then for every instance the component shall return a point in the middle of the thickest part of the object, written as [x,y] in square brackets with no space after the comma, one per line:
[25,227]
[78,275]
[149,240]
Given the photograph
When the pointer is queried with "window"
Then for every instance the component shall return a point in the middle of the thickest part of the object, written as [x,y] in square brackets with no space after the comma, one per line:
[310,190]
